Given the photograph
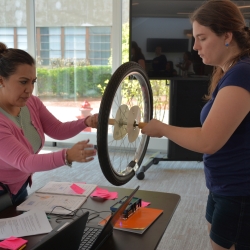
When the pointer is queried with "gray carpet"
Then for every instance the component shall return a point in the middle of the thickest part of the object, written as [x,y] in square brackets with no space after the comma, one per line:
[187,229]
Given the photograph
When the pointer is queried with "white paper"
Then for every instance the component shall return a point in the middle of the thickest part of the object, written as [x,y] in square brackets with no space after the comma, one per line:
[29,223]
[52,203]
[64,188]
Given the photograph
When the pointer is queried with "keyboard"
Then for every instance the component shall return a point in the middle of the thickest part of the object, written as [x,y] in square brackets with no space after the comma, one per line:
[89,236]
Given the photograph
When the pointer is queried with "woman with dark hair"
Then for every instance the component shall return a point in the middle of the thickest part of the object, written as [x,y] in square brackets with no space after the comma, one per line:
[170,71]
[187,64]
[223,41]
[23,122]
[137,55]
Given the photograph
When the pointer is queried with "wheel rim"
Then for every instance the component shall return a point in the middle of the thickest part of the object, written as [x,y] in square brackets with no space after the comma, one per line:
[123,155]
[119,159]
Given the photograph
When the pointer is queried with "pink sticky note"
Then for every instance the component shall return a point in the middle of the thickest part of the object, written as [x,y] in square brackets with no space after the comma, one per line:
[144,203]
[13,243]
[99,192]
[103,193]
[112,196]
[77,189]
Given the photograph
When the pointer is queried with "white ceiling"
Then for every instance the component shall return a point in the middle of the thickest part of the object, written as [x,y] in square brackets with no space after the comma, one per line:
[167,8]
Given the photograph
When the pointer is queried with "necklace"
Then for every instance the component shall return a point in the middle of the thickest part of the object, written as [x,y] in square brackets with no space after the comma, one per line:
[230,65]
[18,118]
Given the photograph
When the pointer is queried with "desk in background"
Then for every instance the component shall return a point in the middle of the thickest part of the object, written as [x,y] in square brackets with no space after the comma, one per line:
[121,240]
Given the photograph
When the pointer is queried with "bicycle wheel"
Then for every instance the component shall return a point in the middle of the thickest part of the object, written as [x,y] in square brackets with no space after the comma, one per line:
[119,159]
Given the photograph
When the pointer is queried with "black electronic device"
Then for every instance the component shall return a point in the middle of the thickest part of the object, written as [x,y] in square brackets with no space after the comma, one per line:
[134,204]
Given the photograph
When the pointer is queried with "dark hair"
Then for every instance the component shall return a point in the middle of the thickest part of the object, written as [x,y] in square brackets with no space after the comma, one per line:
[171,65]
[137,49]
[11,58]
[135,46]
[189,55]
[223,16]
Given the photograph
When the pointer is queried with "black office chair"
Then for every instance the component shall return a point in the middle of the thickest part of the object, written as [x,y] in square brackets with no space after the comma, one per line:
[5,199]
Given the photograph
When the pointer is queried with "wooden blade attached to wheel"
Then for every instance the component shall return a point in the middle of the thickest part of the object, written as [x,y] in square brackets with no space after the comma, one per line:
[134,117]
[120,124]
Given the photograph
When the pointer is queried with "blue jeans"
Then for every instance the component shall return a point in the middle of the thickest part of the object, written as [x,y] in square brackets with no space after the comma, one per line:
[20,196]
[229,217]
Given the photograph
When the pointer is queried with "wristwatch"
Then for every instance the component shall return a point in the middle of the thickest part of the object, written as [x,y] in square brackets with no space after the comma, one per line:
[66,161]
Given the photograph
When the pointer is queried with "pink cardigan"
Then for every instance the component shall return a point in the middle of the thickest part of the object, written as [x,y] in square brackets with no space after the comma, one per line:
[17,159]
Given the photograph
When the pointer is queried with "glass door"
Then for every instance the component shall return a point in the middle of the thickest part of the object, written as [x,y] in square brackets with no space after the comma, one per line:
[73,56]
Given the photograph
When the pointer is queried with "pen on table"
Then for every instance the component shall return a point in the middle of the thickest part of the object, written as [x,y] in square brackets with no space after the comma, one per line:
[22,247]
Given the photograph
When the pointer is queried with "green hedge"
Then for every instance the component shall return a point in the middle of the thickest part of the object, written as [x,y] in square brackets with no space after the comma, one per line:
[83,80]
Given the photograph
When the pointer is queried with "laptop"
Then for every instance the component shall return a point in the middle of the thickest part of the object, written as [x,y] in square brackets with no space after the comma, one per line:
[72,235]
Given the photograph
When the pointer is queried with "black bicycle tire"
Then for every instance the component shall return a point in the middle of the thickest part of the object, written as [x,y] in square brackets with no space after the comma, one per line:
[104,112]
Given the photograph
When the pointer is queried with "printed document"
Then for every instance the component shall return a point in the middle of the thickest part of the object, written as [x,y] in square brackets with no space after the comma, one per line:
[29,223]
[53,187]
[58,197]
[50,203]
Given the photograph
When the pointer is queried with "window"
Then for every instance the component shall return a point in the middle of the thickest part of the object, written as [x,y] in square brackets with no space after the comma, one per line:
[7,36]
[50,44]
[99,45]
[22,38]
[75,45]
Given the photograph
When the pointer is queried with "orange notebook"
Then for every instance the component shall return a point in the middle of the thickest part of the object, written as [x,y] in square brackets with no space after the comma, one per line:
[137,222]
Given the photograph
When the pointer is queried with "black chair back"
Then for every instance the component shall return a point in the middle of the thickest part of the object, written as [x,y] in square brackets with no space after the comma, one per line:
[5,199]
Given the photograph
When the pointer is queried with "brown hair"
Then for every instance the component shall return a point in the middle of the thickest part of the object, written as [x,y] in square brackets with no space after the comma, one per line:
[11,58]
[223,16]
[138,53]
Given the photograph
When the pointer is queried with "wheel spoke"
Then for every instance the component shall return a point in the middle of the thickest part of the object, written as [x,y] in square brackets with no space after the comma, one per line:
[115,156]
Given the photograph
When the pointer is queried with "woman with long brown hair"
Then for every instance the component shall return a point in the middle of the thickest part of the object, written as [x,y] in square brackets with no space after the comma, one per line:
[222,40]
[137,55]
